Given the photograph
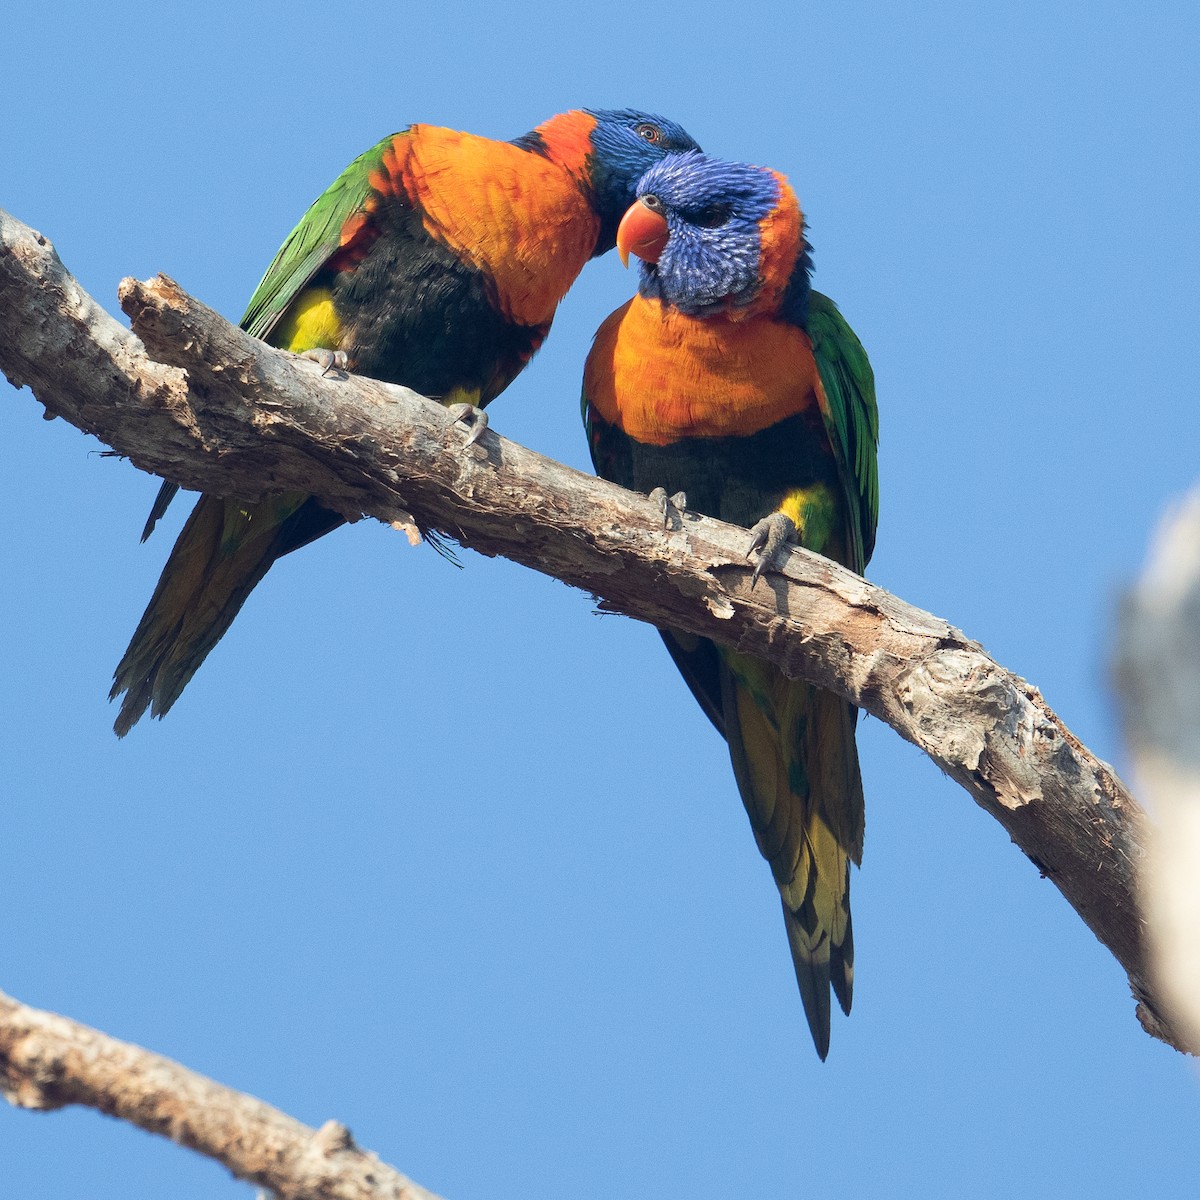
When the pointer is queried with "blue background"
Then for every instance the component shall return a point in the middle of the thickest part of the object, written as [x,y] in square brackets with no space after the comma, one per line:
[445,856]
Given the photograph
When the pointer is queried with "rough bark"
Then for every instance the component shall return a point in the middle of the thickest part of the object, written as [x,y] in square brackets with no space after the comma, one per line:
[202,403]
[1158,675]
[48,1062]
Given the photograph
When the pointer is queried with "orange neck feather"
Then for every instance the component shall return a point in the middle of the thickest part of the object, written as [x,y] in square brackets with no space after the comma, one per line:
[781,240]
[518,217]
[568,139]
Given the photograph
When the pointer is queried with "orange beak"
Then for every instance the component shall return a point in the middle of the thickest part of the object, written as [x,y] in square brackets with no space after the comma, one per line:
[642,232]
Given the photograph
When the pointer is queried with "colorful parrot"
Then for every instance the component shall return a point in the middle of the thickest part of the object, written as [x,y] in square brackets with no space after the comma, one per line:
[728,380]
[435,260]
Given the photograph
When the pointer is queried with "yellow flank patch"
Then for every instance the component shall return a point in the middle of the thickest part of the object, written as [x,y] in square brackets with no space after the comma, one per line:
[463,395]
[813,510]
[311,323]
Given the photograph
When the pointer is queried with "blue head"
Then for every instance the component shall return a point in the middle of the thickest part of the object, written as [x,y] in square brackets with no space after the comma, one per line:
[716,236]
[608,149]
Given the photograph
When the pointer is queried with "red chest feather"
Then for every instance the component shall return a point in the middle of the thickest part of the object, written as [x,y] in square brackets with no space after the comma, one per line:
[661,376]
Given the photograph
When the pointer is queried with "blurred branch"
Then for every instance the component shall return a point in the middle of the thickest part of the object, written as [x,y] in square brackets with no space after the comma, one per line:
[204,404]
[1158,676]
[48,1062]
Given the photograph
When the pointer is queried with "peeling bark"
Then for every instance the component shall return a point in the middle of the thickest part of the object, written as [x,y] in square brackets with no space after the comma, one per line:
[204,404]
[48,1062]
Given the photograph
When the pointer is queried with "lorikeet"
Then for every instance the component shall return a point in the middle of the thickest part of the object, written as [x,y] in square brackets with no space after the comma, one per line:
[728,379]
[435,260]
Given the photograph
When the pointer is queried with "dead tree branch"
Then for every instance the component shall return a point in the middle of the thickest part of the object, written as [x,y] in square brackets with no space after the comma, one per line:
[199,401]
[49,1062]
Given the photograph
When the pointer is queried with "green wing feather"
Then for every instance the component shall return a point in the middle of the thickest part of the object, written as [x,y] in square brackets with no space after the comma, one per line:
[312,243]
[851,418]
[307,249]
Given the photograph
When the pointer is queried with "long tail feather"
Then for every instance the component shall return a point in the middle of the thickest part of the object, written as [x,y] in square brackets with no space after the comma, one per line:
[222,553]
[158,509]
[794,757]
[813,977]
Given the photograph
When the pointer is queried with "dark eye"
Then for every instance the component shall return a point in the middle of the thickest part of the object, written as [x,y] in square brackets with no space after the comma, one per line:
[712,216]
[650,132]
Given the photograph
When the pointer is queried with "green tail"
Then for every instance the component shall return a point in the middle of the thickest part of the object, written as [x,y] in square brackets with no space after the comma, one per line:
[796,766]
[223,552]
[162,502]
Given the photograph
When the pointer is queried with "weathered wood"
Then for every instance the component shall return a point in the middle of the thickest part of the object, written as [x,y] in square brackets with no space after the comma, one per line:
[202,403]
[48,1062]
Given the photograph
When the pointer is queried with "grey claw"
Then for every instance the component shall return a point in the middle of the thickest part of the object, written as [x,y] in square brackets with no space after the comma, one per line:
[769,536]
[666,503]
[468,414]
[328,360]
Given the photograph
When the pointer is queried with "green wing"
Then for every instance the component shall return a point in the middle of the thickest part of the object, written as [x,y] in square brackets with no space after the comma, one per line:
[851,418]
[307,249]
[311,244]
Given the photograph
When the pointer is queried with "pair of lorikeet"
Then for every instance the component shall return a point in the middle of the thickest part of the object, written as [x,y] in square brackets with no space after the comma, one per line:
[436,260]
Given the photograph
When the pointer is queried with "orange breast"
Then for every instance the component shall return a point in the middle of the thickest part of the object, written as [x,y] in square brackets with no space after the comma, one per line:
[661,376]
[520,218]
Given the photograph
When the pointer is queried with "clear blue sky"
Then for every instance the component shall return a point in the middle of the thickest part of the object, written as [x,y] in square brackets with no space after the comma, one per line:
[444,855]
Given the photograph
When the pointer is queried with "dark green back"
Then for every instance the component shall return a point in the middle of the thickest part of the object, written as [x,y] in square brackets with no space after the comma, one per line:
[312,243]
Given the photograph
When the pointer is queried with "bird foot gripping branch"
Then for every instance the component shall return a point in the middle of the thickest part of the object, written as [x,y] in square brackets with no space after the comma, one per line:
[327,360]
[468,414]
[666,503]
[770,537]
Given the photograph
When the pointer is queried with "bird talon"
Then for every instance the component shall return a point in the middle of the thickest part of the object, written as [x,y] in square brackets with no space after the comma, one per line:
[469,414]
[328,360]
[665,503]
[769,536]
